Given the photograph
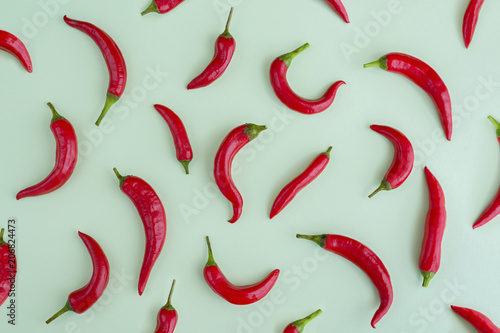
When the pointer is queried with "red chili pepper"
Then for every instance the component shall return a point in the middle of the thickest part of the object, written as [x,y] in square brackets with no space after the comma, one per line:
[425,77]
[278,71]
[470,20]
[167,316]
[481,323]
[230,146]
[295,186]
[8,268]
[114,60]
[152,214]
[82,299]
[13,45]
[239,295]
[224,50]
[339,8]
[298,325]
[364,258]
[161,6]
[179,134]
[435,223]
[402,162]
[66,155]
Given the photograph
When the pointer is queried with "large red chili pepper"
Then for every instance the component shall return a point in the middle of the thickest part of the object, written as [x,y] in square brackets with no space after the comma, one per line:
[295,186]
[82,299]
[167,316]
[298,325]
[161,6]
[114,60]
[179,134]
[284,92]
[425,77]
[66,155]
[224,50]
[339,8]
[239,295]
[364,258]
[481,323]
[152,214]
[435,223]
[13,45]
[230,146]
[8,268]
[470,20]
[402,162]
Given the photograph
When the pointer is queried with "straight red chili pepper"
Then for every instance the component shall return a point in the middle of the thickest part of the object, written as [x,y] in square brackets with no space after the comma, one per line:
[82,299]
[287,96]
[339,8]
[289,192]
[470,20]
[167,316]
[425,77]
[230,146]
[152,214]
[114,60]
[8,268]
[66,156]
[298,325]
[402,162]
[364,258]
[10,43]
[239,295]
[481,323]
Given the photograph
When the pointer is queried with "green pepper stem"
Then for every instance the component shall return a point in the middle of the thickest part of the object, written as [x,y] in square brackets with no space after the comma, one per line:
[229,20]
[120,177]
[382,63]
[152,8]
[211,260]
[253,130]
[185,164]
[169,306]
[67,307]
[384,185]
[2,242]
[55,115]
[301,323]
[110,100]
[318,239]
[288,57]
[496,124]
[427,278]
[327,153]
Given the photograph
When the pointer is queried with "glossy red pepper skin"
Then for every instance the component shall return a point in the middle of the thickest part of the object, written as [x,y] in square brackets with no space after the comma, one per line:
[161,6]
[167,316]
[481,323]
[66,156]
[239,295]
[230,146]
[287,96]
[339,8]
[470,20]
[152,214]
[426,78]
[364,258]
[289,192]
[298,325]
[10,43]
[8,268]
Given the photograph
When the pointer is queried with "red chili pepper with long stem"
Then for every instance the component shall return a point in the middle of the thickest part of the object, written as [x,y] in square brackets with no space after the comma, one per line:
[230,146]
[82,299]
[289,192]
[152,214]
[364,258]
[13,45]
[287,96]
[339,8]
[114,60]
[425,77]
[402,162]
[8,268]
[470,20]
[481,323]
[66,156]
[167,316]
[298,325]
[239,295]
[161,6]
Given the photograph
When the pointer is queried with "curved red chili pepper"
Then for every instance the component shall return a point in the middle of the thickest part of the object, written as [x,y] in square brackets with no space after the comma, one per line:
[152,214]
[289,192]
[179,134]
[239,295]
[167,316]
[339,8]
[82,299]
[470,20]
[230,146]
[8,268]
[298,325]
[284,92]
[402,162]
[425,77]
[435,223]
[114,60]
[13,45]
[364,258]
[161,6]
[224,50]
[481,323]
[66,155]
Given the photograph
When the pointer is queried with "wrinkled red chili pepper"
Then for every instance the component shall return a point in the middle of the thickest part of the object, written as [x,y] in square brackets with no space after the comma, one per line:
[179,134]
[481,323]
[82,299]
[8,268]
[339,8]
[295,186]
[230,146]
[239,295]
[425,77]
[364,258]
[161,6]
[13,45]
[114,60]
[470,20]
[66,155]
[402,162]
[298,325]
[284,92]
[224,50]
[167,316]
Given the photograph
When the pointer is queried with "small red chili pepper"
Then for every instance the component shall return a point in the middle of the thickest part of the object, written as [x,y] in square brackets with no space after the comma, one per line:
[152,214]
[481,323]
[425,77]
[295,186]
[179,134]
[364,258]
[167,316]
[239,295]
[339,8]
[13,45]
[161,6]
[224,50]
[435,223]
[284,92]
[230,146]
[66,155]
[114,60]
[82,299]
[8,268]
[402,162]
[470,20]
[298,325]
